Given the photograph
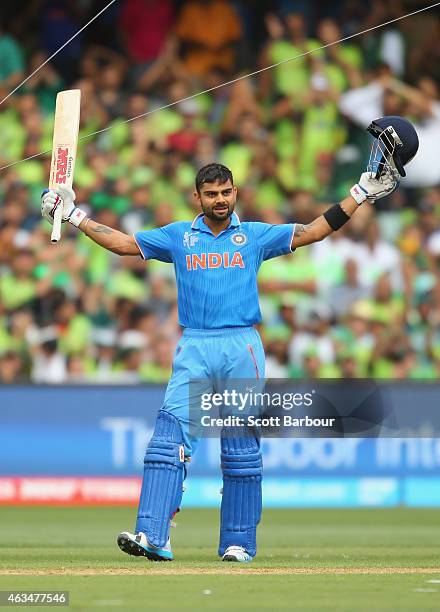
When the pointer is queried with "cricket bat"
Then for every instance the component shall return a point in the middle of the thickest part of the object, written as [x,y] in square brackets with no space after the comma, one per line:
[65,140]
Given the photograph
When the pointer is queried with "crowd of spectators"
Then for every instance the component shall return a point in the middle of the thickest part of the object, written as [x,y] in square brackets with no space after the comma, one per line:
[364,302]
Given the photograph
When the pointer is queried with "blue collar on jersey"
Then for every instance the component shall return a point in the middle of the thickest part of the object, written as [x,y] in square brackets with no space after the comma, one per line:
[199,224]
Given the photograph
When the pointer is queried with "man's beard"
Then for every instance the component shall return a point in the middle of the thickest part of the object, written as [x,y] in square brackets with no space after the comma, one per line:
[211,214]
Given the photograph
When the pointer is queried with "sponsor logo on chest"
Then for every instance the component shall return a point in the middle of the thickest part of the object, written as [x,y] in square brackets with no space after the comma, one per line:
[204,261]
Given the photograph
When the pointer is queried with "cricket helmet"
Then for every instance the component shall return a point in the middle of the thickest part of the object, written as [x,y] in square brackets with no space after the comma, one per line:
[395,145]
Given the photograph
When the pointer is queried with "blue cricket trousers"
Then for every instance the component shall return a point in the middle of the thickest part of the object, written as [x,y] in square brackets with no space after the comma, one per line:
[214,356]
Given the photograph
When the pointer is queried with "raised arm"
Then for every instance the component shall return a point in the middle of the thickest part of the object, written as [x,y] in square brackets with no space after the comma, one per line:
[320,228]
[413,95]
[109,238]
[334,218]
[361,104]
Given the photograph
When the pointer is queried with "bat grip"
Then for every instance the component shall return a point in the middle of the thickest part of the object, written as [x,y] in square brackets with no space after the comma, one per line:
[57,219]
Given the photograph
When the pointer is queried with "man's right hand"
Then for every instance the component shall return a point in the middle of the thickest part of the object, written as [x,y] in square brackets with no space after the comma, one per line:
[50,200]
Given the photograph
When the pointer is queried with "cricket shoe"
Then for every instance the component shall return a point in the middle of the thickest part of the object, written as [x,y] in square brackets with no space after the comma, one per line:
[138,546]
[236,554]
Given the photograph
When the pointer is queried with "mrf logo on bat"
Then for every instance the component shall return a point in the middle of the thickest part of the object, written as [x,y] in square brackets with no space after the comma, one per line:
[63,165]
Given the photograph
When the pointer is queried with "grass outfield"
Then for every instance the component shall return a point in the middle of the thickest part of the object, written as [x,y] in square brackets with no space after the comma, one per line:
[308,560]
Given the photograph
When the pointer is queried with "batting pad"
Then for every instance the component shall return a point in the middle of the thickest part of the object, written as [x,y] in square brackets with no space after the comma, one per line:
[164,473]
[241,502]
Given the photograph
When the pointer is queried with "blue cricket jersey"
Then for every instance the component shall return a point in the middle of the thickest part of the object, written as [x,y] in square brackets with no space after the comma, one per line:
[216,275]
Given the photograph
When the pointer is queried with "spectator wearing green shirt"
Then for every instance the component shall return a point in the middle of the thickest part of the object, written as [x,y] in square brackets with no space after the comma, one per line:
[18,285]
[11,62]
[45,84]
[158,370]
[290,78]
[343,61]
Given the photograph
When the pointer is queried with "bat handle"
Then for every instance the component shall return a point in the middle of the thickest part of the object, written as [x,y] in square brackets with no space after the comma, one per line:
[57,219]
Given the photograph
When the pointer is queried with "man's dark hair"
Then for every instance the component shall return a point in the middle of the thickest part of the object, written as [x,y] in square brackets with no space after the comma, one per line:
[213,173]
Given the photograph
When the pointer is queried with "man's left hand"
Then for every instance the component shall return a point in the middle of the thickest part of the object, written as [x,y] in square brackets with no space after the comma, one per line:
[371,188]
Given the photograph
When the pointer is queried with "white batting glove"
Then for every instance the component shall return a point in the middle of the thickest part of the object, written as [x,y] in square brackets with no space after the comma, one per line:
[371,188]
[65,197]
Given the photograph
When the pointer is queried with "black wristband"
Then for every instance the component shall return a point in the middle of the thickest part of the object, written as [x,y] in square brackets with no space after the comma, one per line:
[336,217]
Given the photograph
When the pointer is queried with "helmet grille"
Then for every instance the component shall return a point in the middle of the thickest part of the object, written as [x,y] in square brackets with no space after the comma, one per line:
[381,160]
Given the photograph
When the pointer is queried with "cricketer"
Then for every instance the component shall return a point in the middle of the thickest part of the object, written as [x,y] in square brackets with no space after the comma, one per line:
[216,258]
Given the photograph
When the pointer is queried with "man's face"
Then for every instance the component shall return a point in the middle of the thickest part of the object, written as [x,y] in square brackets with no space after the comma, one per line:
[217,200]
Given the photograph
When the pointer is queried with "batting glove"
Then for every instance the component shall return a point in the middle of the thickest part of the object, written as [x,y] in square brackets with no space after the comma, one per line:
[65,197]
[372,188]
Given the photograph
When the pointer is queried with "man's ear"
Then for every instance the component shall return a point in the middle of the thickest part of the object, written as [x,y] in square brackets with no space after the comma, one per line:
[197,198]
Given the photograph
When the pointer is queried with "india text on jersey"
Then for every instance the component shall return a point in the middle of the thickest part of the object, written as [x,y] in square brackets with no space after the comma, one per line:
[214,260]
